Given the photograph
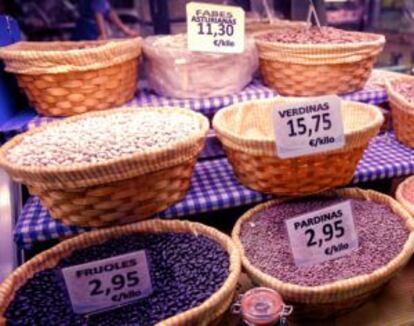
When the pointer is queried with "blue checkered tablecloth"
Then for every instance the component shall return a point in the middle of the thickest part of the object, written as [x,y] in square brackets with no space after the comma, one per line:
[215,187]
[373,94]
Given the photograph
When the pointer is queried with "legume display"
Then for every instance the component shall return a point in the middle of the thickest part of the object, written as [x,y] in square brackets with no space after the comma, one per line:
[381,233]
[101,138]
[405,88]
[185,270]
[316,35]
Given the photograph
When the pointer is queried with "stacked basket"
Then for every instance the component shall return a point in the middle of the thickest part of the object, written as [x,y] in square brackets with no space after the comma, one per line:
[295,69]
[248,139]
[117,191]
[207,312]
[332,299]
[68,78]
[402,112]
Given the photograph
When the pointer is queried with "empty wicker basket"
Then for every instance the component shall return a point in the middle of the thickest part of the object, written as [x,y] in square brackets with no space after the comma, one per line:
[68,78]
[402,113]
[246,132]
[210,310]
[317,69]
[116,191]
[339,297]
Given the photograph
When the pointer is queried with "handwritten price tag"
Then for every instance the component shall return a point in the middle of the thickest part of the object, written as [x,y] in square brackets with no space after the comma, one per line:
[308,127]
[322,235]
[108,283]
[215,28]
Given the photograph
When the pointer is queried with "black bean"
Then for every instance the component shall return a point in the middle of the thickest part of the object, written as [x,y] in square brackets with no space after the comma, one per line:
[185,270]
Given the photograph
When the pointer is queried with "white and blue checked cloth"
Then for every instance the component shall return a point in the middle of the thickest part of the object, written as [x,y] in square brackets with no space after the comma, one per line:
[215,187]
[372,94]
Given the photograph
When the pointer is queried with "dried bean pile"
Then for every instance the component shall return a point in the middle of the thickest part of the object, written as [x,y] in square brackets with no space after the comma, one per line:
[101,138]
[405,88]
[315,35]
[381,233]
[185,271]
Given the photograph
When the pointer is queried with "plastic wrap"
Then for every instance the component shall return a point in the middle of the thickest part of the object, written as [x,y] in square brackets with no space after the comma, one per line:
[172,70]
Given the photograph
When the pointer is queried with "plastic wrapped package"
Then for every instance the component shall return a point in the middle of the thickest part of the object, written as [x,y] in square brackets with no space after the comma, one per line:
[172,70]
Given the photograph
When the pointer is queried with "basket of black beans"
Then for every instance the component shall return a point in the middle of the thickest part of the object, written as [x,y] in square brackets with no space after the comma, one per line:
[194,270]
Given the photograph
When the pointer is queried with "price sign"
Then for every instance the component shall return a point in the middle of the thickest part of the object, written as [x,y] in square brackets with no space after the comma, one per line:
[108,283]
[308,127]
[322,235]
[215,28]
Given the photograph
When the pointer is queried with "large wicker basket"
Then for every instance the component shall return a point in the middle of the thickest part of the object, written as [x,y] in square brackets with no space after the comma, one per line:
[311,69]
[400,195]
[203,314]
[68,78]
[116,191]
[402,113]
[338,297]
[246,132]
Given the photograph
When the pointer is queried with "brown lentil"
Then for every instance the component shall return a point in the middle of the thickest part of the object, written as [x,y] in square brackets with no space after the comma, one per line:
[381,233]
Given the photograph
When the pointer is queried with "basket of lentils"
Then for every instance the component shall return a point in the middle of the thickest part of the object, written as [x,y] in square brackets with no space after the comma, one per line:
[247,134]
[194,270]
[69,78]
[109,167]
[401,97]
[326,289]
[310,61]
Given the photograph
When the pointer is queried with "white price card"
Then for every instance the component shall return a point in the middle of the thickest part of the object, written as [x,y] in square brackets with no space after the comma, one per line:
[322,235]
[108,283]
[308,127]
[215,28]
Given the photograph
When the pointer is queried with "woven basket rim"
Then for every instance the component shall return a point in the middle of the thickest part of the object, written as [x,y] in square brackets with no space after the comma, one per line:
[395,96]
[189,141]
[401,198]
[234,138]
[24,48]
[37,58]
[66,247]
[321,46]
[353,283]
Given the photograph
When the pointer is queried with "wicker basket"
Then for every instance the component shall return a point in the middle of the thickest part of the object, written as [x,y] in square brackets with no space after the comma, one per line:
[203,314]
[246,132]
[116,191]
[400,195]
[310,69]
[338,297]
[68,78]
[402,114]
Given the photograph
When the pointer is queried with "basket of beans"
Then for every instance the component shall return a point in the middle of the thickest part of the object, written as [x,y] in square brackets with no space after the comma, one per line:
[109,167]
[326,289]
[405,194]
[401,96]
[68,78]
[247,134]
[310,61]
[193,269]
[173,70]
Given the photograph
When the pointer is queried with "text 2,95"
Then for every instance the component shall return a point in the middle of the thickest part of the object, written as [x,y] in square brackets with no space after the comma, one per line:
[118,282]
[329,232]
